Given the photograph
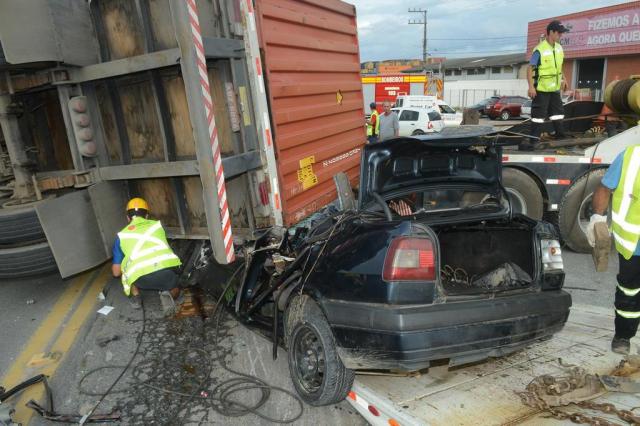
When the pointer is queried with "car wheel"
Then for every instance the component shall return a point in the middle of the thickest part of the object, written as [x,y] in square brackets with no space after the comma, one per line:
[417,132]
[504,115]
[524,194]
[317,372]
[24,261]
[575,211]
[20,226]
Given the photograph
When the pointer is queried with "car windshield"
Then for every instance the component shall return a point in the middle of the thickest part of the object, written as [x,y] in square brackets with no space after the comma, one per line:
[446,109]
[443,200]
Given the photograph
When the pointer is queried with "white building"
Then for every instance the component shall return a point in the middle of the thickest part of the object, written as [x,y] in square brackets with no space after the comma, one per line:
[469,80]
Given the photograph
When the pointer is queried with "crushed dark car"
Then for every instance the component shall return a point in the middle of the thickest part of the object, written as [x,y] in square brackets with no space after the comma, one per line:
[431,265]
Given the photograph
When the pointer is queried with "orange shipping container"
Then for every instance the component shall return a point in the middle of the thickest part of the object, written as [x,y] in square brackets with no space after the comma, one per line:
[312,67]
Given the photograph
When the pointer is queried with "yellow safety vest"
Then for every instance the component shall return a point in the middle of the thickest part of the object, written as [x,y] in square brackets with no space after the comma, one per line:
[145,249]
[549,72]
[626,204]
[370,127]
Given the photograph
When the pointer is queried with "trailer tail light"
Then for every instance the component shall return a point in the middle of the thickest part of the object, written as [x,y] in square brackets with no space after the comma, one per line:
[410,259]
[371,413]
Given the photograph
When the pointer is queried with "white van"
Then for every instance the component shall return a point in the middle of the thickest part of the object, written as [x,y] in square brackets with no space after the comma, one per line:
[449,115]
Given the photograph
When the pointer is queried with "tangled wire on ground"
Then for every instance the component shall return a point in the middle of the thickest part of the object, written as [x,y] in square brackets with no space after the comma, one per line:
[176,386]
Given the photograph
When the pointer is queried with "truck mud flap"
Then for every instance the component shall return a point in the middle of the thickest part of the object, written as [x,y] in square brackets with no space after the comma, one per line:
[81,226]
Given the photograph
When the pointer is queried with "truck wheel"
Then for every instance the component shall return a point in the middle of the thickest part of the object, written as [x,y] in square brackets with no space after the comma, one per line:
[575,211]
[524,194]
[316,370]
[505,115]
[20,226]
[24,261]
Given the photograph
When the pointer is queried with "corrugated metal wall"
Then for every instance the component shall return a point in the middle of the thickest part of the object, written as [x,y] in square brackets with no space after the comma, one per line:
[315,93]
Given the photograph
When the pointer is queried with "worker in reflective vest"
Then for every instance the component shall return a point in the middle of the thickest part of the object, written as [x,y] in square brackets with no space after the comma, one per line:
[545,82]
[143,259]
[623,180]
[373,124]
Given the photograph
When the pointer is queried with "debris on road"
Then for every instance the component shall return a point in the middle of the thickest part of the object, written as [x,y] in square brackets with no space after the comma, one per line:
[105,310]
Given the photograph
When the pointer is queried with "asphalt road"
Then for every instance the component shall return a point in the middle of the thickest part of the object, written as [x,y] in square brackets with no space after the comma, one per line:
[24,304]
[162,346]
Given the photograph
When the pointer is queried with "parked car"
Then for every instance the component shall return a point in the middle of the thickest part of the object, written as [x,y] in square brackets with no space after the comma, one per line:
[506,107]
[418,121]
[482,106]
[525,111]
[457,277]
[450,116]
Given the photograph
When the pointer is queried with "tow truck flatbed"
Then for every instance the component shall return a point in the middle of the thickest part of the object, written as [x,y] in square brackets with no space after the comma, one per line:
[485,393]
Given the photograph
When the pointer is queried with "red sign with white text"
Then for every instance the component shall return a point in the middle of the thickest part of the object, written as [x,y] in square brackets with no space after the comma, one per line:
[390,91]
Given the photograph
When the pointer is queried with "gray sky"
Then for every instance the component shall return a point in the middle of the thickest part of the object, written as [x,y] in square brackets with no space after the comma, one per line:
[493,26]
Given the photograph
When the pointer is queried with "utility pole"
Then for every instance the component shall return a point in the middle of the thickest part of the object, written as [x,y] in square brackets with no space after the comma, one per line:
[422,22]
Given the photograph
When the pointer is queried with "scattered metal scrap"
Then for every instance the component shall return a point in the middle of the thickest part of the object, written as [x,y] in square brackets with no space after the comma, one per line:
[48,412]
[547,393]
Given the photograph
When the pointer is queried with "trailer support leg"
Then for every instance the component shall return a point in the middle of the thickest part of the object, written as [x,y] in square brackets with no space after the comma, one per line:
[23,188]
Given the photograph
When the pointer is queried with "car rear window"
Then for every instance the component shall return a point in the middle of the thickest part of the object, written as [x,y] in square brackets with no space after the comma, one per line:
[434,116]
[409,115]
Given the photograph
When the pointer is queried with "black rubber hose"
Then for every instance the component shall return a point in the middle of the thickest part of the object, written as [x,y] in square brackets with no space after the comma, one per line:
[14,390]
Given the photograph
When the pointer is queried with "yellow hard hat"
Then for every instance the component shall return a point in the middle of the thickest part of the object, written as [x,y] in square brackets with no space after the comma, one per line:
[137,204]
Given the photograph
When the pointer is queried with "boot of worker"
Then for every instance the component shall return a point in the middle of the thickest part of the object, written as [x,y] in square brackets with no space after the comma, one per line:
[621,346]
[169,306]
[558,126]
[530,143]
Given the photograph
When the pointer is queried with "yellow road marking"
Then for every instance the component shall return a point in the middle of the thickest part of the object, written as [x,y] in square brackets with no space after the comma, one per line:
[63,342]
[42,336]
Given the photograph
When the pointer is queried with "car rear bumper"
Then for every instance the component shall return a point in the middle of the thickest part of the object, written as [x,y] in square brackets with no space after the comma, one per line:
[408,338]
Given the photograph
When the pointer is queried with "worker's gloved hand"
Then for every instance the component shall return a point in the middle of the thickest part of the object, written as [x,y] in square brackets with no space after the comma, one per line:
[591,236]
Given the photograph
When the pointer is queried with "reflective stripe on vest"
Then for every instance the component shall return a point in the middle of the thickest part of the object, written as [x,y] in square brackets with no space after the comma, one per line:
[146,250]
[549,72]
[628,314]
[370,127]
[626,204]
[629,291]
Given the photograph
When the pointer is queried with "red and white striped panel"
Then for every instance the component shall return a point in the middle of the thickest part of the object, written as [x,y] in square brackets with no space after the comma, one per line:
[561,159]
[213,130]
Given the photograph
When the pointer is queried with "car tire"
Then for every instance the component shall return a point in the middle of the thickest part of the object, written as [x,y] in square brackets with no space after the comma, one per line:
[311,348]
[575,211]
[28,260]
[524,193]
[19,226]
[417,132]
[505,115]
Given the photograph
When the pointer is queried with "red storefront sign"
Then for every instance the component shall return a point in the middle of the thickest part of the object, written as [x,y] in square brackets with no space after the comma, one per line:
[614,29]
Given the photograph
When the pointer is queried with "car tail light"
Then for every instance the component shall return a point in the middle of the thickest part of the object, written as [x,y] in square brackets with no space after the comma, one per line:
[551,255]
[430,125]
[410,259]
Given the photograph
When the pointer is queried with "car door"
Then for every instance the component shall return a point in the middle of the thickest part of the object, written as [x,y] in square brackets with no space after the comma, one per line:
[409,123]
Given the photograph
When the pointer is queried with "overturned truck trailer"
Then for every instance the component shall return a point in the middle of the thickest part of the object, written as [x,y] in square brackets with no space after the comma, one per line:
[226,115]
